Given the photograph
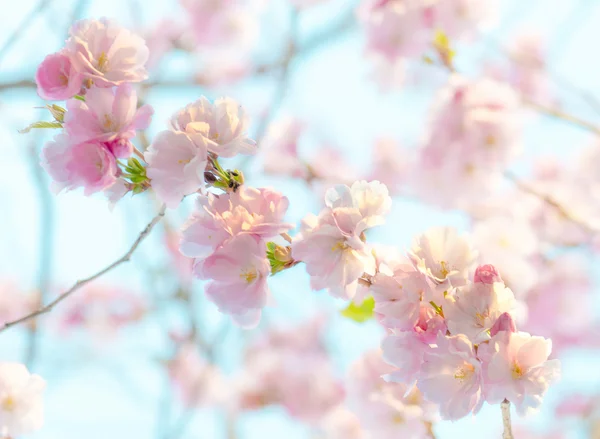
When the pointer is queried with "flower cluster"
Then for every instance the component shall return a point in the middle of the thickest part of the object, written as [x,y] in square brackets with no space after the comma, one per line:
[456,337]
[94,73]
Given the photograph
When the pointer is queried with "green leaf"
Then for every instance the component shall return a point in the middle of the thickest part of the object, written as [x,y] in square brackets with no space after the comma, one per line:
[57,112]
[79,98]
[360,313]
[41,124]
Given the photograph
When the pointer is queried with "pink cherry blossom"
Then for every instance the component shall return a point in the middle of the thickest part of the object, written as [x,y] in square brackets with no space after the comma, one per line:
[503,323]
[443,256]
[390,164]
[223,124]
[386,409]
[341,423]
[249,210]
[474,308]
[106,53]
[108,115]
[21,403]
[14,302]
[238,274]
[197,383]
[451,376]
[89,165]
[176,165]
[56,78]
[518,369]
[486,274]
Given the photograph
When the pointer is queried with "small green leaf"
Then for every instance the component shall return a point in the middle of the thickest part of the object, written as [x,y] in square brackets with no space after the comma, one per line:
[360,313]
[41,124]
[79,98]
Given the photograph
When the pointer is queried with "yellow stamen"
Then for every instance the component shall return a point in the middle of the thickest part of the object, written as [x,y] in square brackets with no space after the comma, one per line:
[340,245]
[444,270]
[108,123]
[102,62]
[398,419]
[464,372]
[517,371]
[184,162]
[249,275]
[8,404]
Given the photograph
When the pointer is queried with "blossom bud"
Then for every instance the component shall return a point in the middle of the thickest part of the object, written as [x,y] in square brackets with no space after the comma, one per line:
[120,148]
[487,274]
[504,323]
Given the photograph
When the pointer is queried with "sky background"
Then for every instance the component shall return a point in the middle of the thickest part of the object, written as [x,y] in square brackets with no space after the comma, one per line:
[110,388]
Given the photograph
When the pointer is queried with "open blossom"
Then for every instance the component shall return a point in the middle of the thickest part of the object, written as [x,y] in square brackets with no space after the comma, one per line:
[451,376]
[474,308]
[106,53]
[176,165]
[258,212]
[56,78]
[107,115]
[238,274]
[443,256]
[223,124]
[386,409]
[518,369]
[21,403]
[89,165]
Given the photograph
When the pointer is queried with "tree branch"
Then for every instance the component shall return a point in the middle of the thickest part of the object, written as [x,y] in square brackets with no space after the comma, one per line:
[80,283]
[507,434]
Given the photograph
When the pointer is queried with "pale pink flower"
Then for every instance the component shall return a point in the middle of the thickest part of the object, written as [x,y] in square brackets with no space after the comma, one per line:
[451,376]
[390,164]
[518,369]
[115,192]
[528,66]
[56,78]
[280,149]
[385,409]
[238,274]
[499,237]
[223,124]
[106,53]
[444,256]
[333,259]
[474,308]
[341,423]
[360,206]
[21,400]
[14,302]
[89,165]
[176,165]
[249,210]
[197,382]
[398,298]
[460,19]
[108,115]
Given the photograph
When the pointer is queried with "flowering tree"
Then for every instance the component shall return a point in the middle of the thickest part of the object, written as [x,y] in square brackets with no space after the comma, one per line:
[461,320]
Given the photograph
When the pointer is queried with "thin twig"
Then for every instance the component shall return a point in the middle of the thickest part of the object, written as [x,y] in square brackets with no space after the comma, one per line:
[507,433]
[561,115]
[551,202]
[80,283]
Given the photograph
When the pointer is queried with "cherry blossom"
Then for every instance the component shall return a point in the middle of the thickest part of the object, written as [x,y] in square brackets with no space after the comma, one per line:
[244,294]
[223,124]
[56,78]
[108,115]
[21,404]
[106,53]
[176,165]
[518,370]
[89,165]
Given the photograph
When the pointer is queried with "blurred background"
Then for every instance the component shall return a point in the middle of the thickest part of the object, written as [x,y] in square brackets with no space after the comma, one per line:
[304,71]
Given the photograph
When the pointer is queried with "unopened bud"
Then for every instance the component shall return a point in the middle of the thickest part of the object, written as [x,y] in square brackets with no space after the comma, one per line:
[487,274]
[209,177]
[504,323]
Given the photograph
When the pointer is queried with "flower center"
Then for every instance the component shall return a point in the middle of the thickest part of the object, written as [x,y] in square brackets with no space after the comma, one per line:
[63,80]
[8,404]
[184,162]
[444,269]
[339,246]
[464,372]
[249,275]
[108,124]
[480,318]
[517,371]
[397,418]
[102,62]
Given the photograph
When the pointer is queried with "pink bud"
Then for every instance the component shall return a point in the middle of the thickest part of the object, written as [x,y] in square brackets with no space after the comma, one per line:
[121,148]
[487,274]
[504,323]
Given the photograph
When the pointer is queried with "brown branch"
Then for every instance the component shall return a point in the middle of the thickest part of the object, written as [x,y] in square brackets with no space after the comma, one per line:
[80,283]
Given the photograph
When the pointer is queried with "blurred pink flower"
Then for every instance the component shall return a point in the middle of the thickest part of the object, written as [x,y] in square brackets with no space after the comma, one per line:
[279,149]
[56,78]
[176,165]
[106,53]
[223,124]
[108,115]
